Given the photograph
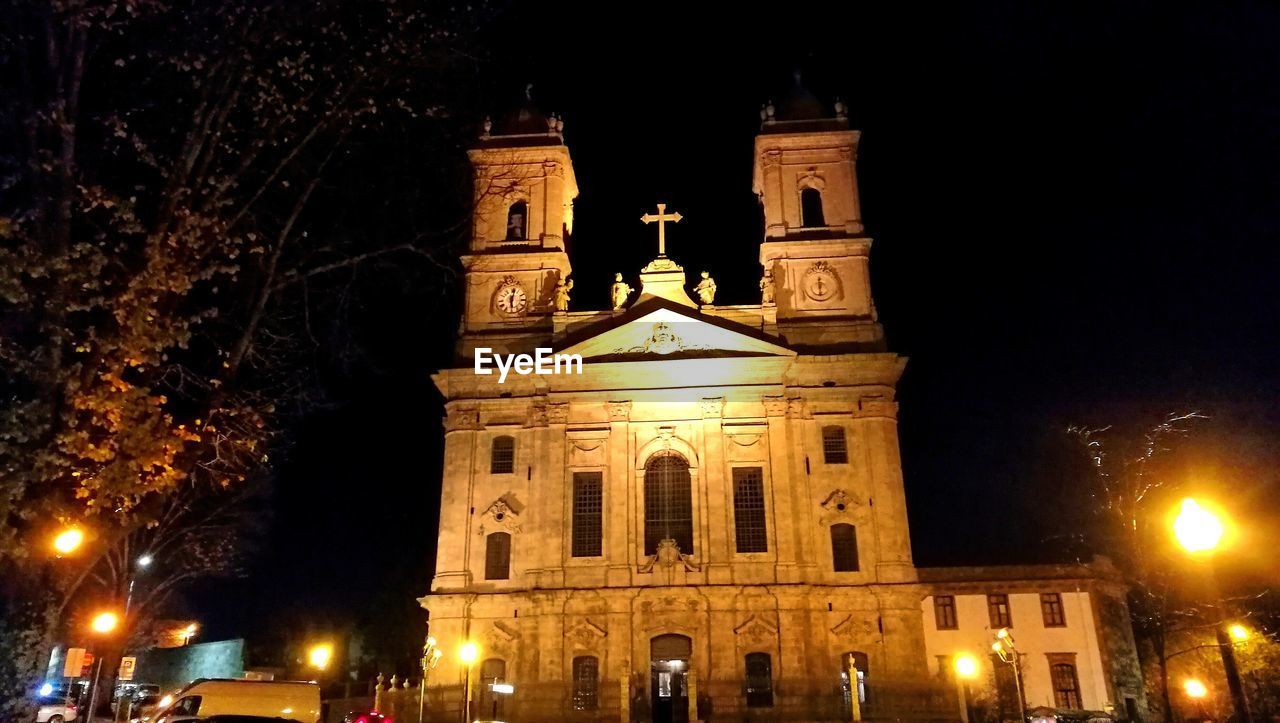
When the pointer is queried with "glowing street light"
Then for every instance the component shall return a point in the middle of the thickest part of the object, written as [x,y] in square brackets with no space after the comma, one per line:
[1194,688]
[68,541]
[1196,528]
[1239,633]
[966,666]
[469,653]
[145,561]
[104,622]
[320,655]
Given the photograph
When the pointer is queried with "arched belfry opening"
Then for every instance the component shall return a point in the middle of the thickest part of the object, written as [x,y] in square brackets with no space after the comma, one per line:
[669,657]
[518,221]
[811,215]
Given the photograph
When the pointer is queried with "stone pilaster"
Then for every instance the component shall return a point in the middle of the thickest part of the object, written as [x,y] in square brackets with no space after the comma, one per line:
[620,548]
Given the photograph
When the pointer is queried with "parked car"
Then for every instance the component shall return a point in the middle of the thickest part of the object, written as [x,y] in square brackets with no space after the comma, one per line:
[54,706]
[371,716]
[207,698]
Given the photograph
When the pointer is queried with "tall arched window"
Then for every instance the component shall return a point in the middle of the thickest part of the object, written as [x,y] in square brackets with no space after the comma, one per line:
[493,670]
[835,448]
[586,683]
[844,548]
[517,221]
[759,680]
[811,208]
[497,556]
[668,502]
[502,458]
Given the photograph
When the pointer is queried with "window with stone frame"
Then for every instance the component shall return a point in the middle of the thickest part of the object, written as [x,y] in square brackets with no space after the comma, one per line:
[1051,610]
[1066,684]
[668,502]
[844,548]
[588,531]
[835,448]
[759,680]
[586,683]
[998,611]
[497,556]
[944,612]
[502,455]
[811,214]
[748,510]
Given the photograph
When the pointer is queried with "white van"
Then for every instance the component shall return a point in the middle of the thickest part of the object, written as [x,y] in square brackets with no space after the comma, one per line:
[292,700]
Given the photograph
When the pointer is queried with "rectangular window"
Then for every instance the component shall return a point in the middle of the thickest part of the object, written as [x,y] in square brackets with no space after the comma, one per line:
[844,548]
[502,456]
[1051,608]
[587,506]
[497,556]
[759,680]
[748,509]
[1066,686]
[944,612]
[835,450]
[998,610]
[586,683]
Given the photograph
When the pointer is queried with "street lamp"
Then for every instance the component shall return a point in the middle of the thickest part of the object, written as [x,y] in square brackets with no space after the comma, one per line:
[320,655]
[1194,688]
[431,655]
[1004,647]
[1239,633]
[966,668]
[104,623]
[468,654]
[1199,531]
[68,541]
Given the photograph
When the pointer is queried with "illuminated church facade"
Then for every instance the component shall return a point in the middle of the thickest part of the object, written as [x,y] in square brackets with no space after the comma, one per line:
[709,521]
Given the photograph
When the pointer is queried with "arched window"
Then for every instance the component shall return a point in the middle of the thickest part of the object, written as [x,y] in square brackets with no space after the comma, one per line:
[502,458]
[493,670]
[858,661]
[844,548]
[586,683]
[759,680]
[668,503]
[497,556]
[835,450]
[811,208]
[517,221]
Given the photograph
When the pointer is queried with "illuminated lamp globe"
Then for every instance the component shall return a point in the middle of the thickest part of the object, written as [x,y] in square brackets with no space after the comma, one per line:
[1197,529]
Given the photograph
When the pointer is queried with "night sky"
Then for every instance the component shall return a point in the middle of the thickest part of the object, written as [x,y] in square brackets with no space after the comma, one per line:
[1075,221]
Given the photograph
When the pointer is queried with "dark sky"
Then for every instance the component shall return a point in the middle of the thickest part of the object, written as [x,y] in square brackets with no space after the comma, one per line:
[1075,220]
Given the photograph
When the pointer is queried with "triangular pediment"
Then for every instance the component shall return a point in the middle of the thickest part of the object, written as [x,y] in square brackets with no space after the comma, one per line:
[661,329]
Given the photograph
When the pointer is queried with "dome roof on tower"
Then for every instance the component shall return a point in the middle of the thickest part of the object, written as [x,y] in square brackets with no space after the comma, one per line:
[800,109]
[526,125]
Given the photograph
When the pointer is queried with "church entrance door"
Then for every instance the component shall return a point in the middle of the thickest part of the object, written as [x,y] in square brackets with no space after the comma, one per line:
[668,693]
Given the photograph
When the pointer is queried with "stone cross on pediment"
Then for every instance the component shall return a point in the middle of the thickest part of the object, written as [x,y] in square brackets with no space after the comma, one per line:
[662,217]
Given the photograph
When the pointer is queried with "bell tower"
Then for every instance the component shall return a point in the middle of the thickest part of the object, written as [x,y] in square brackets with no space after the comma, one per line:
[815,249]
[522,218]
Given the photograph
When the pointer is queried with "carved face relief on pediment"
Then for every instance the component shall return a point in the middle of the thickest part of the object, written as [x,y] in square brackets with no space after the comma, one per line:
[501,516]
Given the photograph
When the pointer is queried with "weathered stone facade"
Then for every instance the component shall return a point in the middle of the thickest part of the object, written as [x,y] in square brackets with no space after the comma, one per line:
[719,484]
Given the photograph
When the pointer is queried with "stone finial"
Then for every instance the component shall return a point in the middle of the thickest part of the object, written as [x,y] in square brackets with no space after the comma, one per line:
[841,110]
[488,127]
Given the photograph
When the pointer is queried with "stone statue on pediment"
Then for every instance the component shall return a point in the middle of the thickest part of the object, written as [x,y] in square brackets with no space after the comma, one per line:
[706,289]
[620,292]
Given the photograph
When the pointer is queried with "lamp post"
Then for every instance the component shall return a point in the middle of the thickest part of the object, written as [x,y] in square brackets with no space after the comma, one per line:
[1004,647]
[431,654]
[468,654]
[1199,531]
[103,624]
[68,541]
[966,669]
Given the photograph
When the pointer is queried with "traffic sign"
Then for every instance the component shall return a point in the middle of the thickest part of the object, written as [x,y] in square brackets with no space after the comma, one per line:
[127,665]
[73,663]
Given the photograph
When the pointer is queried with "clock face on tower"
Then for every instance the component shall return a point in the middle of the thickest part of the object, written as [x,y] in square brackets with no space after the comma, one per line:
[511,299]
